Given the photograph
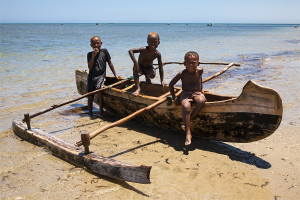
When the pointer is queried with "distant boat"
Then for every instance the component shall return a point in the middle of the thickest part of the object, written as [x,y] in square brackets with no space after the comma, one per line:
[97,24]
[209,24]
[167,24]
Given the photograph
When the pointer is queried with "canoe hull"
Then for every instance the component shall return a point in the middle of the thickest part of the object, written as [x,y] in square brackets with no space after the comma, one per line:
[252,116]
[94,163]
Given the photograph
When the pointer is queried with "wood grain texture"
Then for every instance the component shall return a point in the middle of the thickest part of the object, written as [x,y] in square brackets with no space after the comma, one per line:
[94,163]
[251,116]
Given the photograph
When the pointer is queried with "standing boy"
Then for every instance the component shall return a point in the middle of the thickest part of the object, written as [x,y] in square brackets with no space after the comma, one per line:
[191,79]
[97,60]
[145,61]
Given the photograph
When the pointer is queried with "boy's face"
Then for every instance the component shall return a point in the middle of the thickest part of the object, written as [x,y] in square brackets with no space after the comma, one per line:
[153,42]
[96,43]
[191,63]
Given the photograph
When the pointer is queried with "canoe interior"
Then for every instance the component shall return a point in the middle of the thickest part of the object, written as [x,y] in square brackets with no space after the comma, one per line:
[253,115]
[155,90]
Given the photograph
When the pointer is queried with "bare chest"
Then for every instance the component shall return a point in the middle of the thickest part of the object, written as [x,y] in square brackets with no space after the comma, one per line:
[147,57]
[191,82]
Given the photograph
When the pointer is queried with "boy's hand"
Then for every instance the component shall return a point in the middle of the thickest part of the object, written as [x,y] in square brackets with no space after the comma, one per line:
[95,51]
[177,101]
[169,100]
[164,84]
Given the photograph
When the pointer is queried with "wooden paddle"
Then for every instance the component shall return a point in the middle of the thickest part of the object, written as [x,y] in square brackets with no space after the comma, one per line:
[73,100]
[163,99]
[27,117]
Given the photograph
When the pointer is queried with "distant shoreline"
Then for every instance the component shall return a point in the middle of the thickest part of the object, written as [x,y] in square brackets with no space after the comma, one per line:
[162,23]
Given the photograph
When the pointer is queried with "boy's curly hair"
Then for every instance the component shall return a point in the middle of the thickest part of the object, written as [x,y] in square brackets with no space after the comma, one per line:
[153,34]
[191,53]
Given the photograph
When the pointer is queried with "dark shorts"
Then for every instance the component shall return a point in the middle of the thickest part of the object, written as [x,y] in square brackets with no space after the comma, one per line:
[143,69]
[95,83]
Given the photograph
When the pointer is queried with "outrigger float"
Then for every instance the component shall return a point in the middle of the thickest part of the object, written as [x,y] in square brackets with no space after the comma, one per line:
[252,116]
[94,163]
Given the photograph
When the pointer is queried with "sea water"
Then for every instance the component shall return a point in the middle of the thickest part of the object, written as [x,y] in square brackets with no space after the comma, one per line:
[38,60]
[37,68]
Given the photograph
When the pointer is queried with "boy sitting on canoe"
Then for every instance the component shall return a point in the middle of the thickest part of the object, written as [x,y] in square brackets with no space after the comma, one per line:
[144,64]
[97,60]
[191,79]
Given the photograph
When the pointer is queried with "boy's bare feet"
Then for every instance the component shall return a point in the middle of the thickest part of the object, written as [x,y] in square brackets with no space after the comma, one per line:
[188,139]
[101,114]
[92,117]
[137,92]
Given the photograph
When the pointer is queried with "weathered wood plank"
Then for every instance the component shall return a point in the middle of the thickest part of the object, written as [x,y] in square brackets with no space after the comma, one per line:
[97,164]
[251,116]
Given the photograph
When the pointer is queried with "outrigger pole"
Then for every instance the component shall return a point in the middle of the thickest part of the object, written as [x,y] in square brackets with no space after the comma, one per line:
[27,116]
[86,142]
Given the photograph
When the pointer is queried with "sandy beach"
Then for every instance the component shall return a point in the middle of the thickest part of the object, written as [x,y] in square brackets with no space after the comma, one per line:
[266,169]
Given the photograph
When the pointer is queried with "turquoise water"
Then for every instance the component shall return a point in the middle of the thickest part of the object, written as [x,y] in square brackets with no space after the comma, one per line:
[38,60]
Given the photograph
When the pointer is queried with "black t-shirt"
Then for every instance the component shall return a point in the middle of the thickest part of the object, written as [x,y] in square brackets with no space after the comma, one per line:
[99,68]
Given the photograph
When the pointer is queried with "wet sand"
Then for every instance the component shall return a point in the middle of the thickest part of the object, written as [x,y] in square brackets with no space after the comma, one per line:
[266,169]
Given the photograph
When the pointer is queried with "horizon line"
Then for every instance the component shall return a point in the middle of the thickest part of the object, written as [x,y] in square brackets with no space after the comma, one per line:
[146,23]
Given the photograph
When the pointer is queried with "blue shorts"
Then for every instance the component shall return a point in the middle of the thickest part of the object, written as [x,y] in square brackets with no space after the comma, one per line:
[143,69]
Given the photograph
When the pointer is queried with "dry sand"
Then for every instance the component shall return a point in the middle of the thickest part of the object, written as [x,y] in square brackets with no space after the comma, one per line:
[267,169]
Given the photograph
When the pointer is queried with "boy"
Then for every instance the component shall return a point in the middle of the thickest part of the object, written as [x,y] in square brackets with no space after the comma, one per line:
[145,61]
[191,79]
[97,60]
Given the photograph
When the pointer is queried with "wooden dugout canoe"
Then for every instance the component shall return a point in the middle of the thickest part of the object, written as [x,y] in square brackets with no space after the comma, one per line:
[255,114]
[94,163]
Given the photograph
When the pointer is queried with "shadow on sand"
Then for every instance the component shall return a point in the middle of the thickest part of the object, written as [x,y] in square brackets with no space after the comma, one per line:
[173,140]
[176,140]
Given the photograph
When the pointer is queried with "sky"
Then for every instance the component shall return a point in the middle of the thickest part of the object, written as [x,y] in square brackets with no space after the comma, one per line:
[154,11]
